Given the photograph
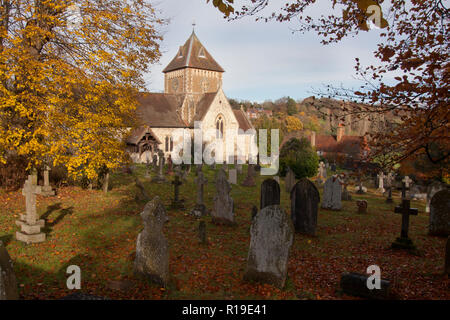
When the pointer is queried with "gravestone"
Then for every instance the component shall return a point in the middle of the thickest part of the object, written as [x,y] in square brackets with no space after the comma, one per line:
[345,194]
[355,284]
[322,173]
[30,226]
[305,200]
[381,182]
[403,242]
[148,169]
[362,206]
[290,180]
[152,251]
[169,165]
[47,190]
[155,162]
[160,177]
[270,193]
[232,174]
[250,179]
[332,192]
[202,232]
[440,214]
[177,203]
[223,203]
[272,235]
[239,168]
[200,208]
[447,258]
[141,194]
[432,189]
[8,281]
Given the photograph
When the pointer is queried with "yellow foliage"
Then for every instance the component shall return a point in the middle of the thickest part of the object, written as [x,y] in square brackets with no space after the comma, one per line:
[68,91]
[293,124]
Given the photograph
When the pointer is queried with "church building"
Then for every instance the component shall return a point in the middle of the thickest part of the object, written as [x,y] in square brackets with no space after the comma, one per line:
[192,92]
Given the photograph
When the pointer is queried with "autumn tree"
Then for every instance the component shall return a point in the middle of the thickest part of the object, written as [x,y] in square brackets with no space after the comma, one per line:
[69,73]
[411,80]
[293,124]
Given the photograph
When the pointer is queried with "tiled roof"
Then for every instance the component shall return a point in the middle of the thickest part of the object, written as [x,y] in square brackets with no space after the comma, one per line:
[350,145]
[203,106]
[137,134]
[242,119]
[193,55]
[160,110]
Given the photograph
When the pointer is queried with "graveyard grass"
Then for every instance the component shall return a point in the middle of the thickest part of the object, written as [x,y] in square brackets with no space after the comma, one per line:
[98,233]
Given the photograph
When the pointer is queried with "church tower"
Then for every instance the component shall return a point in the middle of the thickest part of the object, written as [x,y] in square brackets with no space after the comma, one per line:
[193,70]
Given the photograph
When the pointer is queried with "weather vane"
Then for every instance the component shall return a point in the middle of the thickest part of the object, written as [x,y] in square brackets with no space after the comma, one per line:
[193,25]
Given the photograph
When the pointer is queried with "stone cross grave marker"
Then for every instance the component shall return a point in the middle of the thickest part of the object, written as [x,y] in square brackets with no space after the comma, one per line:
[30,226]
[177,203]
[407,181]
[200,208]
[405,210]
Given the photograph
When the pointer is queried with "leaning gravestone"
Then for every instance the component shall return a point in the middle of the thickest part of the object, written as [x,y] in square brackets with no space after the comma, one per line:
[272,235]
[270,193]
[305,200]
[290,180]
[152,251]
[223,203]
[29,223]
[8,282]
[332,192]
[440,214]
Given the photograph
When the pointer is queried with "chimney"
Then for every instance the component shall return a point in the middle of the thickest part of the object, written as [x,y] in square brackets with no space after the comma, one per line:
[340,133]
[313,139]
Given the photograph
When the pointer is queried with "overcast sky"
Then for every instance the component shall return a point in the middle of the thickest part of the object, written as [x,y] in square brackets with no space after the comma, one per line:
[262,60]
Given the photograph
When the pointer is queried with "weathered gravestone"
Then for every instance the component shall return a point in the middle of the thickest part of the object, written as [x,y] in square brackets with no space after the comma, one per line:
[355,284]
[440,214]
[239,168]
[223,203]
[152,251]
[290,180]
[362,206]
[47,190]
[270,193]
[272,234]
[232,176]
[432,189]
[332,194]
[160,177]
[30,226]
[404,242]
[345,194]
[8,282]
[141,194]
[305,200]
[155,162]
[447,258]
[250,179]
[200,208]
